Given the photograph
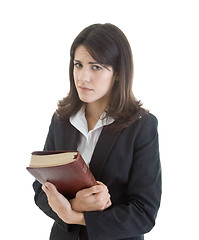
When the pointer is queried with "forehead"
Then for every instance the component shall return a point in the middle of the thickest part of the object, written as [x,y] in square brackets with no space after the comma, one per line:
[81,53]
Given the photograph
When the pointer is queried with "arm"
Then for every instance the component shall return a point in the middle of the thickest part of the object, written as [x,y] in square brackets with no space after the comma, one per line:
[136,214]
[42,201]
[62,207]
[40,197]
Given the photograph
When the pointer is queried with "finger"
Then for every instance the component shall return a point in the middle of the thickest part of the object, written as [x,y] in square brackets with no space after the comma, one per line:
[102,197]
[90,191]
[101,183]
[108,197]
[104,194]
[45,189]
[108,204]
[104,186]
[51,187]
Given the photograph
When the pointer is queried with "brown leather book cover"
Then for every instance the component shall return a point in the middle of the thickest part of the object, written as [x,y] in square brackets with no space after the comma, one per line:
[68,178]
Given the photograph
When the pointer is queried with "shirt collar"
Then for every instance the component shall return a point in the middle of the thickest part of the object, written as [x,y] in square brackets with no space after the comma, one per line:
[79,121]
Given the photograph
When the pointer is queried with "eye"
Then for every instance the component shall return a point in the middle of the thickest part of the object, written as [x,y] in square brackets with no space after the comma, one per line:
[96,67]
[78,65]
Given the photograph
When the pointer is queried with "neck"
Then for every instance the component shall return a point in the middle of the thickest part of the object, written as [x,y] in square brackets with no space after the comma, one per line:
[93,113]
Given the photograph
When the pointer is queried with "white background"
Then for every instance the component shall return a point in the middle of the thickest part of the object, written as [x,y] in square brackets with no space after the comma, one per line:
[35,38]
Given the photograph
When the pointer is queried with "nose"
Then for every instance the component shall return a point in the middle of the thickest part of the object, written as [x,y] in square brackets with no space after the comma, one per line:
[84,75]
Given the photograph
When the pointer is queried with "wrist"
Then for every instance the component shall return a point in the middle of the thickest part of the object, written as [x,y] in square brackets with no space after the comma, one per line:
[74,217]
[78,218]
[75,205]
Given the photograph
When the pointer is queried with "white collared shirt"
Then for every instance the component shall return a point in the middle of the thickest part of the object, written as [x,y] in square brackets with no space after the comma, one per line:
[88,139]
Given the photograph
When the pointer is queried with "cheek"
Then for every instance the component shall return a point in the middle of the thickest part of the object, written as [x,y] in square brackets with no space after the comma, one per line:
[75,77]
[107,83]
[74,74]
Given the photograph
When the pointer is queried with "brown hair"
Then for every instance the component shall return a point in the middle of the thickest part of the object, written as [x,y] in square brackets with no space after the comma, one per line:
[108,45]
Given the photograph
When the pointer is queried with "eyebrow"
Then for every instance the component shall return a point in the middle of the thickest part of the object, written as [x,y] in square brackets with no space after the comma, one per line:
[88,62]
[93,63]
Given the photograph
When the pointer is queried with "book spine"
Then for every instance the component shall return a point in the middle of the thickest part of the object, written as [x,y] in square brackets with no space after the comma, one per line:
[85,169]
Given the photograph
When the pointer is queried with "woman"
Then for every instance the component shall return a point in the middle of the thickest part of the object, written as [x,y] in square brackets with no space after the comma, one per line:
[118,139]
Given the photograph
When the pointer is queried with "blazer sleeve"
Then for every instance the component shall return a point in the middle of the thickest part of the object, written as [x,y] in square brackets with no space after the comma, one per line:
[137,215]
[40,197]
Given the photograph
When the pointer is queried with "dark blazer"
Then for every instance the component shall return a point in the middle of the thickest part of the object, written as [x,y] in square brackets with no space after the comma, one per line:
[127,161]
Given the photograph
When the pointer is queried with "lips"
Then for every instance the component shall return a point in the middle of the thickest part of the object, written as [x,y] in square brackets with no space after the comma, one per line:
[85,89]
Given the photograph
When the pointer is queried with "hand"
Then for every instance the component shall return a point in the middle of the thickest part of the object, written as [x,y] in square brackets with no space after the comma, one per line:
[96,198]
[61,206]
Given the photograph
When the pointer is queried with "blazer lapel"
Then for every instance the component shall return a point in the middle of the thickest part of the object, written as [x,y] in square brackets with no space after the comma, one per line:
[103,147]
[71,137]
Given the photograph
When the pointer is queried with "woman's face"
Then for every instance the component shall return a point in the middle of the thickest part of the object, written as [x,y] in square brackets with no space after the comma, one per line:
[93,81]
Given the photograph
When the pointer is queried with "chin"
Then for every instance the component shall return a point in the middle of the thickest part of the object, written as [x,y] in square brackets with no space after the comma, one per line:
[86,100]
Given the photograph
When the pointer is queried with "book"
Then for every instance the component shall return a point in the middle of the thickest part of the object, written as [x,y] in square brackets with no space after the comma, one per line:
[65,169]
